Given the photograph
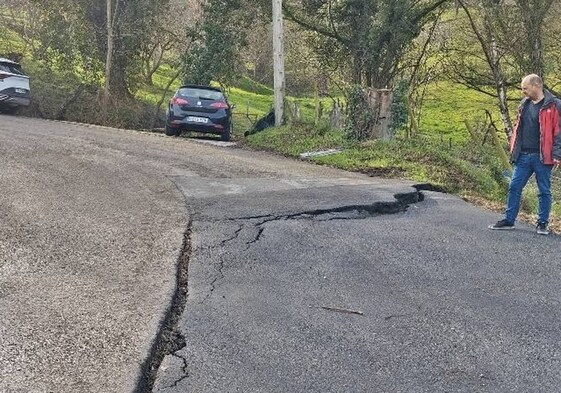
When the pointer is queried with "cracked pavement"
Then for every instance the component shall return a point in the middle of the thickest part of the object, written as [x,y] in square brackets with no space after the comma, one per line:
[301,278]
[221,242]
[323,294]
[93,237]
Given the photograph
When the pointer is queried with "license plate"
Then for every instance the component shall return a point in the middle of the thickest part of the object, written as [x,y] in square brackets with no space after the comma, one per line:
[194,119]
[21,91]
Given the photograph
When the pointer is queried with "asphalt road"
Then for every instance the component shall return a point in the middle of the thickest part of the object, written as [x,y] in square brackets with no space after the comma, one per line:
[426,300]
[300,278]
[94,226]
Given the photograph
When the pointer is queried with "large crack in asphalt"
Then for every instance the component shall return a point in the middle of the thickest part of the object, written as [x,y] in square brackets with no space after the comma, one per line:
[401,204]
[169,340]
[349,212]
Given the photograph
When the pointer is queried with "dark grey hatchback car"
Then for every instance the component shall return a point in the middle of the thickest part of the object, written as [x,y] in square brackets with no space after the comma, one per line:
[201,109]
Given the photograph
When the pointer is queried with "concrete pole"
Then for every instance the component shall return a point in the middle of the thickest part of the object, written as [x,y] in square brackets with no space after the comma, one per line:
[278,51]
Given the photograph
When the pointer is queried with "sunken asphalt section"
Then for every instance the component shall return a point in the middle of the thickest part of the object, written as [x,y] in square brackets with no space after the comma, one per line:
[318,290]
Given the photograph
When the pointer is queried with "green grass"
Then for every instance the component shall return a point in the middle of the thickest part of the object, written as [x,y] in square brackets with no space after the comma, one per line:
[152,94]
[291,140]
[247,84]
[447,106]
[459,170]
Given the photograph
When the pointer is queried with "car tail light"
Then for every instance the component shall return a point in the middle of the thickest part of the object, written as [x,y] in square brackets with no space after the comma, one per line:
[219,105]
[179,101]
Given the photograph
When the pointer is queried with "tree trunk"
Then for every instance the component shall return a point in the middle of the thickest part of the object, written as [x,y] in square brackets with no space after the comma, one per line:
[533,16]
[413,128]
[119,86]
[335,120]
[115,60]
[503,106]
[487,40]
[109,58]
[379,102]
[357,68]
[505,161]
[498,75]
[163,98]
[536,54]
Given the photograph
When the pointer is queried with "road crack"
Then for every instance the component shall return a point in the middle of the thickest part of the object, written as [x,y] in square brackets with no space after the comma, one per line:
[169,339]
[349,212]
[220,276]
[234,236]
[401,204]
[184,370]
[257,237]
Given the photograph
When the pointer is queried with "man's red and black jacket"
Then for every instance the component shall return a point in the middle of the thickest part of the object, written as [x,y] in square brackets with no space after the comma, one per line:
[550,130]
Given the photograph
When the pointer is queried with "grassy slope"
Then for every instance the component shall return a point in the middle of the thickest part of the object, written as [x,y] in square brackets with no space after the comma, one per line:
[446,106]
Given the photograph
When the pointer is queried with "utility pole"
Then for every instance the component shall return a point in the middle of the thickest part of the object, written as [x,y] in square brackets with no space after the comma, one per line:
[278,51]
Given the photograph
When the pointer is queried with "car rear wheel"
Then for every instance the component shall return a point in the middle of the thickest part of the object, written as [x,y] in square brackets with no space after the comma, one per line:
[172,131]
[226,135]
[11,110]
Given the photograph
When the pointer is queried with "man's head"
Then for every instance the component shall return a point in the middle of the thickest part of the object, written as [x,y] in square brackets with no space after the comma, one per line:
[532,87]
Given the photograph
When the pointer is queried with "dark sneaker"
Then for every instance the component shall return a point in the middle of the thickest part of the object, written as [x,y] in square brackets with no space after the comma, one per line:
[541,228]
[502,225]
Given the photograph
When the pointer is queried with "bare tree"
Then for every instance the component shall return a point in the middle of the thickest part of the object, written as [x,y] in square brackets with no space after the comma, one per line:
[533,14]
[419,72]
[169,39]
[510,35]
[480,57]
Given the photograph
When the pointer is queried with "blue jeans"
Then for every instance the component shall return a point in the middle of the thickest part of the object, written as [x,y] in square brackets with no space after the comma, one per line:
[526,165]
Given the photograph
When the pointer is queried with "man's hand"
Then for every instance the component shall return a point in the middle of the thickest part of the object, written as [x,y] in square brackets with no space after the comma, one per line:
[556,163]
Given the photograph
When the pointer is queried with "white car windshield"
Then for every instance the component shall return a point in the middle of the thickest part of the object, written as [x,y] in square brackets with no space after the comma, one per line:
[11,68]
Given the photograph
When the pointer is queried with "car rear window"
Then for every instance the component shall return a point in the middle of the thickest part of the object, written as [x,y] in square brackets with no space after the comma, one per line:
[11,68]
[202,94]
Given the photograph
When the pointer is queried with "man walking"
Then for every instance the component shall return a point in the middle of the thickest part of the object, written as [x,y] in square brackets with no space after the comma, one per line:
[535,148]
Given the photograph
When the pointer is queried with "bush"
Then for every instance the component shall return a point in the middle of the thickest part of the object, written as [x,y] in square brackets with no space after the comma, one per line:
[60,96]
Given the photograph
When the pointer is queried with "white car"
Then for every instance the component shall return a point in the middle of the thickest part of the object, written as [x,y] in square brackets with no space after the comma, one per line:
[14,87]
